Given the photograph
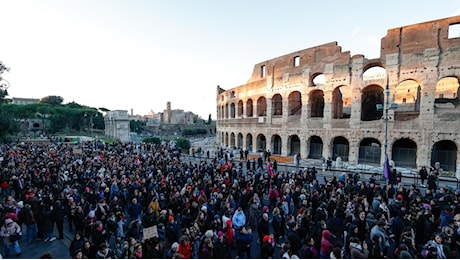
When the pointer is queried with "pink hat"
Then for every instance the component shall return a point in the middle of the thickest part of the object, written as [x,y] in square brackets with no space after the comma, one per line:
[265,209]
[219,234]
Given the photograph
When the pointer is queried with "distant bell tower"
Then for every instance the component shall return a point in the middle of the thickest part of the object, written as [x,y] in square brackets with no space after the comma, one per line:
[168,112]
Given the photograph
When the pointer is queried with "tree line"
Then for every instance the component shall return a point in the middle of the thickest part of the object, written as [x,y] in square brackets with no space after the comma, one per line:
[53,116]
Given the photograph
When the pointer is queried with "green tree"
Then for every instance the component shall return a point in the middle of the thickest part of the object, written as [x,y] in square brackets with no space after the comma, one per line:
[154,140]
[52,100]
[183,143]
[7,126]
[136,126]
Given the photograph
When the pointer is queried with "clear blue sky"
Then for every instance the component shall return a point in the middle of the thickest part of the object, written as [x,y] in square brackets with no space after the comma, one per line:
[139,54]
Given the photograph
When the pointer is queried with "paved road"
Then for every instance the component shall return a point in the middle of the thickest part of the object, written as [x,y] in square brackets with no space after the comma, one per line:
[407,179]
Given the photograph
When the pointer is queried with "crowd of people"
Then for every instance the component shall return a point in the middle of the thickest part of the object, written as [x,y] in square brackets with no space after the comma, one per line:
[221,207]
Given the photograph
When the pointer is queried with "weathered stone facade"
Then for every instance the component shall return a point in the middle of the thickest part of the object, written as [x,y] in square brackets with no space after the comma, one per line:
[283,108]
[117,125]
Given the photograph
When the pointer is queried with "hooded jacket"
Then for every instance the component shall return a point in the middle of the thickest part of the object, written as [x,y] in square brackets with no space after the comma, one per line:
[326,245]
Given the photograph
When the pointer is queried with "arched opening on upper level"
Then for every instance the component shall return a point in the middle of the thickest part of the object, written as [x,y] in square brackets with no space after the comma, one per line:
[317,103]
[277,105]
[341,102]
[371,96]
[446,95]
[407,96]
[295,103]
[232,110]
[262,106]
[318,80]
[240,108]
[249,108]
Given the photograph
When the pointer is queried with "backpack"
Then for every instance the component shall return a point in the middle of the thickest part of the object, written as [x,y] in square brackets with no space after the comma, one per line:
[424,252]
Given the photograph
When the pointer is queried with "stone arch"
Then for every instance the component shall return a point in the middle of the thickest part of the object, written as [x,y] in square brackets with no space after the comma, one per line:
[446,94]
[232,140]
[340,148]
[226,110]
[317,79]
[341,102]
[370,150]
[445,152]
[374,71]
[249,108]
[315,147]
[240,108]
[226,139]
[371,96]
[239,140]
[249,142]
[261,106]
[404,153]
[277,105]
[295,103]
[261,143]
[222,138]
[276,144]
[407,96]
[232,110]
[293,144]
[316,103]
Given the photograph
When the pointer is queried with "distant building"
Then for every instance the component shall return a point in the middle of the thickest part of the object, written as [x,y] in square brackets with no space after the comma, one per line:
[117,125]
[24,101]
[176,116]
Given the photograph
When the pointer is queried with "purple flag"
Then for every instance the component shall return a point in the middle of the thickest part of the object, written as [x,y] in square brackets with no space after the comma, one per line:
[386,168]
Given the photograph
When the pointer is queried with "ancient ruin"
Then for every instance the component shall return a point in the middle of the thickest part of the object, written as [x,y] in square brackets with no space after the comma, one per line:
[321,102]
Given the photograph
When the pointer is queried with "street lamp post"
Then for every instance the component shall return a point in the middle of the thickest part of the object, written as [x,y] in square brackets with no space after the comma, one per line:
[387,107]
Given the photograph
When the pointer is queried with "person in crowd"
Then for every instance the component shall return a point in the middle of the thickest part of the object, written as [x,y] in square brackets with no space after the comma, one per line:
[239,219]
[154,185]
[358,250]
[263,227]
[8,231]
[76,244]
[27,217]
[244,239]
[221,248]
[267,251]
[58,214]
[48,224]
[326,245]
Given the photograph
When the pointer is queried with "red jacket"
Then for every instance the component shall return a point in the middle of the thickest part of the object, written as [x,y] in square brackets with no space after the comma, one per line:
[326,245]
[186,250]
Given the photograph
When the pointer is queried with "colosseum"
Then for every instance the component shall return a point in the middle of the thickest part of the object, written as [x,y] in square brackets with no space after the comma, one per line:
[322,102]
